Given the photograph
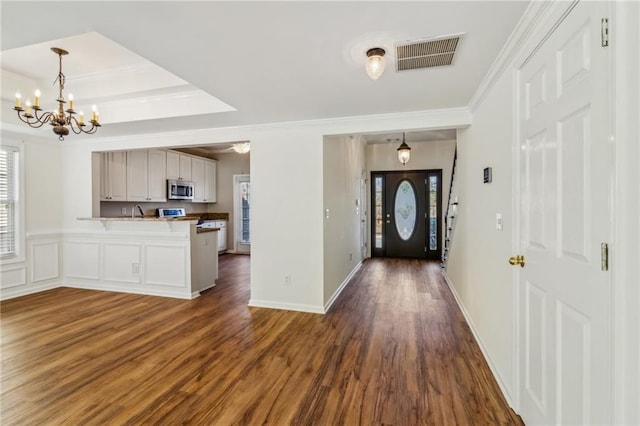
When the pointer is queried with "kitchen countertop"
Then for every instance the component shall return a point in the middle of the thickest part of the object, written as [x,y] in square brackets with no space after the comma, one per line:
[140,219]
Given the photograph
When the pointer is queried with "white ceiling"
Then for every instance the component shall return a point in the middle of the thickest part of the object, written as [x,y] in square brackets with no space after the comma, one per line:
[265,61]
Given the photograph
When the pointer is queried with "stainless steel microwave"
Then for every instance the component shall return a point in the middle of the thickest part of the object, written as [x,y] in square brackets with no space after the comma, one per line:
[179,189]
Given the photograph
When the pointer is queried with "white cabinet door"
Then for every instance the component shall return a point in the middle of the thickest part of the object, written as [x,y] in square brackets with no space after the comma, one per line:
[113,185]
[178,166]
[197,177]
[173,165]
[210,168]
[185,167]
[157,176]
[137,175]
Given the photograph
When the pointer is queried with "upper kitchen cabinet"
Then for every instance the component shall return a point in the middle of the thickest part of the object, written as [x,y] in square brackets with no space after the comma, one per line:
[210,181]
[113,176]
[178,166]
[146,175]
[204,180]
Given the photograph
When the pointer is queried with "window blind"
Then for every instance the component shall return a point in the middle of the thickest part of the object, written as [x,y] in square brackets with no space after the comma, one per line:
[8,200]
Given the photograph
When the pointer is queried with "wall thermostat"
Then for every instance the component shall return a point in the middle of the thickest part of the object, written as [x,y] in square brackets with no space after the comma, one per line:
[487,175]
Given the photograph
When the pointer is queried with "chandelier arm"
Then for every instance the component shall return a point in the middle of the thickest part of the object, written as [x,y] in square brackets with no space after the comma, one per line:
[43,117]
[38,122]
[92,130]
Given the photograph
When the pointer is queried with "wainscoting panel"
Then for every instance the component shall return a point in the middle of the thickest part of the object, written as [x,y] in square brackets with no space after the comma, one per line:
[45,261]
[166,265]
[39,270]
[122,262]
[82,259]
[13,276]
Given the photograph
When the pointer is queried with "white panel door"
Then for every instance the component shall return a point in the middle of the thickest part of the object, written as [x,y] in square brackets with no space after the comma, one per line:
[564,216]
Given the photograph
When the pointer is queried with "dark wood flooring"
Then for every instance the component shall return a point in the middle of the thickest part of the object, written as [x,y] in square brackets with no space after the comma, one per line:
[394,350]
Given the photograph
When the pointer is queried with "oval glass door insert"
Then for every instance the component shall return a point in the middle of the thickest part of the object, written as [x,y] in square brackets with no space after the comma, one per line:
[405,208]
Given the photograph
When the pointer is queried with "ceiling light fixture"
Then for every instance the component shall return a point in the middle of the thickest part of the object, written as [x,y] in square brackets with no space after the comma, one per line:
[404,152]
[61,123]
[242,147]
[375,63]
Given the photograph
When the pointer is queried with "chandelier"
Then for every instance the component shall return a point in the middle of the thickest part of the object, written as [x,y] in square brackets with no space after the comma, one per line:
[61,122]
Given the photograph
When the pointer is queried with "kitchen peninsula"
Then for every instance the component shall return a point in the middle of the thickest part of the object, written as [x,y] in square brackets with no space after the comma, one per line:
[158,256]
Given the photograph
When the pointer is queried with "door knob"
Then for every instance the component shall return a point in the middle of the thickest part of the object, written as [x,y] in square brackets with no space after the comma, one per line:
[517,260]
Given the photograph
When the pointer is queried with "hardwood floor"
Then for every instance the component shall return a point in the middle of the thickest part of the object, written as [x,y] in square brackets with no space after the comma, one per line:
[393,350]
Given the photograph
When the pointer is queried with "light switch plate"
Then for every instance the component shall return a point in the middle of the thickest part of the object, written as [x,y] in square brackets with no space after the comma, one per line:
[499,221]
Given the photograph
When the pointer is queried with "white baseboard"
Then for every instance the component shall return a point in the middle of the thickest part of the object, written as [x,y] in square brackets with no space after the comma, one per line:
[344,284]
[103,286]
[473,328]
[286,306]
[23,290]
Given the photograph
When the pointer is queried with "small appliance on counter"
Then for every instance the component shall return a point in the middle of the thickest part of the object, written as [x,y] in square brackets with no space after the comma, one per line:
[173,212]
[179,189]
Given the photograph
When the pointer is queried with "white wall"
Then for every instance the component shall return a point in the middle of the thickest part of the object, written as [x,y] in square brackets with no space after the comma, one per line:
[477,264]
[343,168]
[228,165]
[286,219]
[626,248]
[39,265]
[426,155]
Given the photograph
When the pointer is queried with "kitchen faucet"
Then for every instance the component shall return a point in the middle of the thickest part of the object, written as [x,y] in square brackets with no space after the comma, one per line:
[133,211]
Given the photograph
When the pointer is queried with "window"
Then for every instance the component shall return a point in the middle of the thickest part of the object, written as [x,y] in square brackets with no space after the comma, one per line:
[8,201]
[245,205]
[242,213]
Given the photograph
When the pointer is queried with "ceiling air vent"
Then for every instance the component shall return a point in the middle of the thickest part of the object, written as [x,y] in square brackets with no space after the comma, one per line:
[433,52]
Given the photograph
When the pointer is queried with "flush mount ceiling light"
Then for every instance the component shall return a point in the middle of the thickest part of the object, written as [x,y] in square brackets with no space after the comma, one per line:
[404,152]
[375,63]
[242,147]
[61,123]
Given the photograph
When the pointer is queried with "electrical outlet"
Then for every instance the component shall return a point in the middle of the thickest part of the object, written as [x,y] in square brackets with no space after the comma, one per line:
[287,280]
[123,210]
[135,268]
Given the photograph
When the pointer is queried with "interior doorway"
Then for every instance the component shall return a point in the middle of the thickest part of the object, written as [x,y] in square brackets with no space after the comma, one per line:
[407,214]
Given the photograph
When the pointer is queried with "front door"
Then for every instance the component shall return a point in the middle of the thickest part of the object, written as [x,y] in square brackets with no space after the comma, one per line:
[565,175]
[407,209]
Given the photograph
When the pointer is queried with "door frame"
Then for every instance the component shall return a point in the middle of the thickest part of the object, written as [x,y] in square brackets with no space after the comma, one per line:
[381,252]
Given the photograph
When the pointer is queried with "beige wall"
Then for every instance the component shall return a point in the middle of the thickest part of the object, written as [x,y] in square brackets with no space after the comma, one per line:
[343,169]
[228,165]
[477,263]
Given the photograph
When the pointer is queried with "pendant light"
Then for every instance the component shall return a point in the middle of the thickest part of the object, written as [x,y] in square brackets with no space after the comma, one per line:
[375,63]
[404,152]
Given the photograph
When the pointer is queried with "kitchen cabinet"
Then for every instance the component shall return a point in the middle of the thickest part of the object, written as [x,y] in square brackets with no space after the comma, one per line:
[178,166]
[210,168]
[113,176]
[197,177]
[146,175]
[204,260]
[204,180]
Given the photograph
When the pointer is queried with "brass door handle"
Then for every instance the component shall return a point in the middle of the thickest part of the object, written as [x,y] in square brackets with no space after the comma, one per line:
[517,260]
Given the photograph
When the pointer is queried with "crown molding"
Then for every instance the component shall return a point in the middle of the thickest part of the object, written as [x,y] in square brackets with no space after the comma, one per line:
[522,32]
[415,120]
